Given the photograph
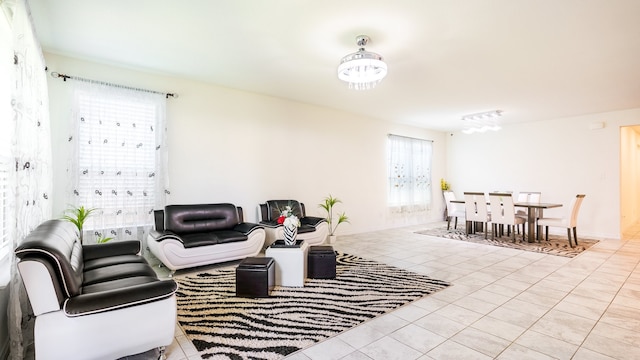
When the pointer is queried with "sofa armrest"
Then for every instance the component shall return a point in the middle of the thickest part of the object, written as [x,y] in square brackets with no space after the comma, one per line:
[96,251]
[91,303]
[270,224]
[312,220]
[164,235]
[246,227]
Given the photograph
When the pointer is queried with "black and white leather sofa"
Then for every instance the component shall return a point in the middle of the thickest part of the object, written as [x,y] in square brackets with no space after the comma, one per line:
[202,234]
[101,301]
[313,230]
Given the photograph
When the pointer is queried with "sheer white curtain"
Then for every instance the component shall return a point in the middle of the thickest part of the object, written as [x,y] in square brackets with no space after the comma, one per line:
[30,180]
[119,159]
[409,174]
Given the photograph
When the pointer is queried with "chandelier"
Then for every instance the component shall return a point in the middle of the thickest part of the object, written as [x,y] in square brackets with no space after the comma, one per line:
[481,122]
[362,69]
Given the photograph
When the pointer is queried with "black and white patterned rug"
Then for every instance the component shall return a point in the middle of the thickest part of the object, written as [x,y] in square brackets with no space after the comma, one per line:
[223,326]
[556,245]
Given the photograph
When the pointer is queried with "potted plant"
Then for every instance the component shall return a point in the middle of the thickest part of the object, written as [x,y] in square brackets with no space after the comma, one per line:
[329,203]
[445,186]
[77,216]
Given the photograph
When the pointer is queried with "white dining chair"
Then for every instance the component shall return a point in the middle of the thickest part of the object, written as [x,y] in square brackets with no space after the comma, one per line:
[453,210]
[570,221]
[531,197]
[527,196]
[503,212]
[475,206]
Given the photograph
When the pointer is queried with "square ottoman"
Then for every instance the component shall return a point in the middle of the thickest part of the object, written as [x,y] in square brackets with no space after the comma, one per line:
[321,262]
[255,277]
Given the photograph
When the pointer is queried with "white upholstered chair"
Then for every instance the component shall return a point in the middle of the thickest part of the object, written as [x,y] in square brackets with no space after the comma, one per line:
[503,213]
[475,205]
[528,196]
[453,210]
[570,221]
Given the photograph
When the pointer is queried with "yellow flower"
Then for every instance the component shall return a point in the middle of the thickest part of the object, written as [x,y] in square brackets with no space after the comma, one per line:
[444,185]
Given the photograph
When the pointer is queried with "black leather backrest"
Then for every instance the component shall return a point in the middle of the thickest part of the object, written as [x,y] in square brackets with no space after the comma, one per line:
[56,242]
[275,207]
[184,219]
[158,217]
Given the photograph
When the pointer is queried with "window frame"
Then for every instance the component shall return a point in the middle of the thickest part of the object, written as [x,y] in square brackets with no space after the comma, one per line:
[421,155]
[109,208]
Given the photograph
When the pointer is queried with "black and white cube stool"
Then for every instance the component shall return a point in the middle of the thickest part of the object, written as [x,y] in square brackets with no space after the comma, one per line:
[321,262]
[255,277]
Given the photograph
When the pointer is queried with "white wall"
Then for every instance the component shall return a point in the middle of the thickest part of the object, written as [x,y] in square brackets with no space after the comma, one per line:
[245,148]
[560,158]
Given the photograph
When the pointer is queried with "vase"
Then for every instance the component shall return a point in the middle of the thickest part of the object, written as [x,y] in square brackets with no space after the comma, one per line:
[332,239]
[290,234]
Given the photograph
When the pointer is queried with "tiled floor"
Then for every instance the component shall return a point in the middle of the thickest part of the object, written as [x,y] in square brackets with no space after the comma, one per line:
[504,303]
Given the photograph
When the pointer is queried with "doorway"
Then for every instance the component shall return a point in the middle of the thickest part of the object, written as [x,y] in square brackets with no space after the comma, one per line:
[630,182]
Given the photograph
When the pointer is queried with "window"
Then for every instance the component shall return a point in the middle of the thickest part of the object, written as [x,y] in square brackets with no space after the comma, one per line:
[117,166]
[409,174]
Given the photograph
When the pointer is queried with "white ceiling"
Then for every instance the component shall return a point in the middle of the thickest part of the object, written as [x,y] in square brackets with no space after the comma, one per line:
[533,59]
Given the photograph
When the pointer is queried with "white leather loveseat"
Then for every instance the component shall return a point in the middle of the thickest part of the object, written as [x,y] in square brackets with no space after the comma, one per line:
[201,234]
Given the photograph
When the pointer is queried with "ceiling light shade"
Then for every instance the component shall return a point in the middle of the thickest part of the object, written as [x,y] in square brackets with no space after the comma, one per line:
[362,69]
[481,122]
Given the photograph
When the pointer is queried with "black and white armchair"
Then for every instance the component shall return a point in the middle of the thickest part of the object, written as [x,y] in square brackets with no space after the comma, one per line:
[101,301]
[313,230]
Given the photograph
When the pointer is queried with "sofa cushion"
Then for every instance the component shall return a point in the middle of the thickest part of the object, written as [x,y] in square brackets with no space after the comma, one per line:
[199,239]
[119,271]
[117,284]
[112,260]
[228,236]
[200,218]
[306,229]
[212,238]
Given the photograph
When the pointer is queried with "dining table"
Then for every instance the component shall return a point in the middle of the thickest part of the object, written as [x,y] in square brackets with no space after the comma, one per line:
[531,215]
[533,209]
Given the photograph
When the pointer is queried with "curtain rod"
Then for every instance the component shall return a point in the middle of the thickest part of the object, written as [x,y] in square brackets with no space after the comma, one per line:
[65,77]
[409,137]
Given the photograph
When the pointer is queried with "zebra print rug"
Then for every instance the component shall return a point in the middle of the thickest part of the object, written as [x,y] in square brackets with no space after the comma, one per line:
[557,245]
[223,326]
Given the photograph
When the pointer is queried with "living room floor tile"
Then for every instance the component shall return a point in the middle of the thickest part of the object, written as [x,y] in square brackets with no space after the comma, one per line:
[331,349]
[418,338]
[361,335]
[547,345]
[503,303]
[389,348]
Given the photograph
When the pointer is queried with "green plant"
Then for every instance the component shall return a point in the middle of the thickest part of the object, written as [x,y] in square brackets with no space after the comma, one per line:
[329,203]
[101,239]
[77,216]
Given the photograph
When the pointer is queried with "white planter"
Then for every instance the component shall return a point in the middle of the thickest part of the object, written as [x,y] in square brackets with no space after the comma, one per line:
[331,239]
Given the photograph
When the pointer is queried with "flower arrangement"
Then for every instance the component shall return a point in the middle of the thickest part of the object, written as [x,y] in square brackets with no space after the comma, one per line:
[444,185]
[291,224]
[288,218]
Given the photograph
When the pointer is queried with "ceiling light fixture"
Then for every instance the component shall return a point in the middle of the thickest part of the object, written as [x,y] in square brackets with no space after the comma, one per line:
[481,122]
[362,69]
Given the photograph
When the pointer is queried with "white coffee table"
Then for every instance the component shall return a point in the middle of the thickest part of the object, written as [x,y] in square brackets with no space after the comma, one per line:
[291,263]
